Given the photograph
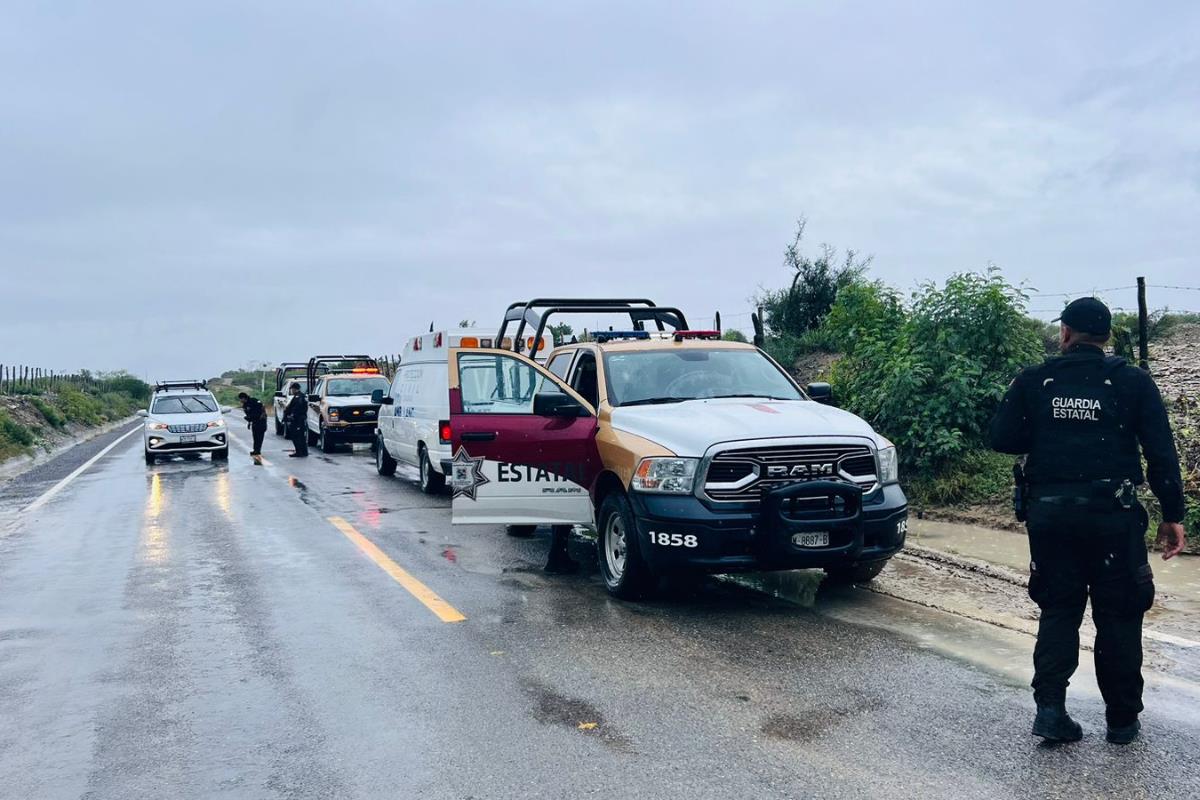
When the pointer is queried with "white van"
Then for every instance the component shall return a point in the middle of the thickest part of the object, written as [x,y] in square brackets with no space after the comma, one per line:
[414,416]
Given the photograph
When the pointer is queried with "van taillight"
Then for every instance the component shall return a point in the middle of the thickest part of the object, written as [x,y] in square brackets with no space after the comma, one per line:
[444,431]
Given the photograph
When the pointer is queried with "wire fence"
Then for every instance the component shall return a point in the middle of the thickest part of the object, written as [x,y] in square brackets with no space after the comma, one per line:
[24,379]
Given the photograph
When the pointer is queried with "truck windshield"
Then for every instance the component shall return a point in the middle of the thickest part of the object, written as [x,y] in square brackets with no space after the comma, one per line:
[344,387]
[184,404]
[672,376]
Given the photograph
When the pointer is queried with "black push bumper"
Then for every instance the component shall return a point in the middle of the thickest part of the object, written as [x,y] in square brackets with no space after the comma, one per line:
[351,431]
[686,534]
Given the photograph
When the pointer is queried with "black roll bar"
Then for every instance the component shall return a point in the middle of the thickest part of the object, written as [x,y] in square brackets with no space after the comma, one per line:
[323,361]
[289,369]
[640,311]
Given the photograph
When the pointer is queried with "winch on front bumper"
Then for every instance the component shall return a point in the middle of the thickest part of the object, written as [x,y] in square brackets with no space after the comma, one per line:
[799,525]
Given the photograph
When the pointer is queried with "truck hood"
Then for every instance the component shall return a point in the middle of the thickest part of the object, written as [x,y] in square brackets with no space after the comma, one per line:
[691,427]
[350,400]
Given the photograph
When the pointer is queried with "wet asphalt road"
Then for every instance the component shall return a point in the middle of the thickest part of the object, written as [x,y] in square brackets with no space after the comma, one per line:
[199,629]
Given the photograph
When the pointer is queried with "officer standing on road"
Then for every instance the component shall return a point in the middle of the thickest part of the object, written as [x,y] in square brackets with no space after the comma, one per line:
[296,418]
[1080,418]
[256,420]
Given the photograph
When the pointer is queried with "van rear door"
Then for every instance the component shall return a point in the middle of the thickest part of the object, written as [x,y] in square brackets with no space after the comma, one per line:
[524,443]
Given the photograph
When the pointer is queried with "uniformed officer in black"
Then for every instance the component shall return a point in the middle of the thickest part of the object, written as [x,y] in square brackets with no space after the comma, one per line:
[256,420]
[1080,418]
[295,415]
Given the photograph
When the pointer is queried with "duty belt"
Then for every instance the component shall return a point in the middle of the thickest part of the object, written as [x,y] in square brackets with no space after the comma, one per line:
[1107,493]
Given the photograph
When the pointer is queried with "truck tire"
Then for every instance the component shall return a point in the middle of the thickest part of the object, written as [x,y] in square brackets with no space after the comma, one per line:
[312,437]
[626,573]
[432,481]
[326,440]
[384,464]
[520,531]
[221,455]
[855,573]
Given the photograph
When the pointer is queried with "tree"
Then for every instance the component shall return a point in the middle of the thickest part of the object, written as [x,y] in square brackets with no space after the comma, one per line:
[733,335]
[560,332]
[802,306]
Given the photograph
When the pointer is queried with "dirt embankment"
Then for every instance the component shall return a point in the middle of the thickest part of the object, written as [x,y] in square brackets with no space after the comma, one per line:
[1175,364]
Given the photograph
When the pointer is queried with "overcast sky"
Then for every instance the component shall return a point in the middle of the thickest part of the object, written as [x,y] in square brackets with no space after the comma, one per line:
[185,188]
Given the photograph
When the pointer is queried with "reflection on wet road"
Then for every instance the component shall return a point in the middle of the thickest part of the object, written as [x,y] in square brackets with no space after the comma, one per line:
[198,629]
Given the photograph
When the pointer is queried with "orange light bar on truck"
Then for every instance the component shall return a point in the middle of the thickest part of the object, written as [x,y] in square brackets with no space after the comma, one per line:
[365,371]
[468,341]
[541,345]
[681,335]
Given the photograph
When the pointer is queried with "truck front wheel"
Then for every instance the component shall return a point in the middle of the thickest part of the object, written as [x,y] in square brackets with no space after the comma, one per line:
[626,574]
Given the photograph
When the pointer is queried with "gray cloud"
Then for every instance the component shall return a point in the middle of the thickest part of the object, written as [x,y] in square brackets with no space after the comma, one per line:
[186,188]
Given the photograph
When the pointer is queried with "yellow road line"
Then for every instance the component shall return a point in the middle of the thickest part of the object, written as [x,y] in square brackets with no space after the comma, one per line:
[444,611]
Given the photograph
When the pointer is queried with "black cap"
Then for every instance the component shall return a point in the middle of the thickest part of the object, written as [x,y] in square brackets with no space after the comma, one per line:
[1087,315]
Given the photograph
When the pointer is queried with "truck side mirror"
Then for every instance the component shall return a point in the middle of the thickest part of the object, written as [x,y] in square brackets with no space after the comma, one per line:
[377,396]
[556,404]
[314,398]
[387,401]
[143,412]
[821,392]
[279,394]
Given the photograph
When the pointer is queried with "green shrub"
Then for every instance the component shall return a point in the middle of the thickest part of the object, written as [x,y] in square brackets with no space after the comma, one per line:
[733,335]
[979,476]
[932,383]
[49,413]
[80,407]
[15,438]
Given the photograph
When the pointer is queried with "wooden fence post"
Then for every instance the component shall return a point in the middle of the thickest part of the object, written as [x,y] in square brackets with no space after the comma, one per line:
[1143,326]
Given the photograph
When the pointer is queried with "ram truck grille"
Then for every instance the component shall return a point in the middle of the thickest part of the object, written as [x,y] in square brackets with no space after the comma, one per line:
[742,475]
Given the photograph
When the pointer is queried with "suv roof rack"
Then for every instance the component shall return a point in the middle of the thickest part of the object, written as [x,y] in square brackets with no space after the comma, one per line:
[536,314]
[166,386]
[322,365]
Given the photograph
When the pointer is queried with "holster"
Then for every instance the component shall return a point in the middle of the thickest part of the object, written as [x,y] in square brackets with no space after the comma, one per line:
[1020,493]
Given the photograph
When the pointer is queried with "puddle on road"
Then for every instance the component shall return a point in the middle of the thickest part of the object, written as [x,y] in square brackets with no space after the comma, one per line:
[813,723]
[552,708]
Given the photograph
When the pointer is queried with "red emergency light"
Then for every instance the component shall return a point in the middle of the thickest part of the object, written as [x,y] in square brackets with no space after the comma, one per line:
[681,335]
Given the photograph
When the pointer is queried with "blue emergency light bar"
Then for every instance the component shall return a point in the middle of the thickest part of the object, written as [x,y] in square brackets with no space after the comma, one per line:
[607,336]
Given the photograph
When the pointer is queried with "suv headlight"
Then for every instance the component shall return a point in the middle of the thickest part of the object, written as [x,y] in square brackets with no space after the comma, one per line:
[217,423]
[889,464]
[667,475]
[157,426]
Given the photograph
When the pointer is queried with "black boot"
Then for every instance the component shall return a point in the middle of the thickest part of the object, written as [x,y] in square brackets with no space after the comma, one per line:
[1054,724]
[560,562]
[1123,734]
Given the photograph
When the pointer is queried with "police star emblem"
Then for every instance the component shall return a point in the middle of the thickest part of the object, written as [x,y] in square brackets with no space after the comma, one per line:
[466,474]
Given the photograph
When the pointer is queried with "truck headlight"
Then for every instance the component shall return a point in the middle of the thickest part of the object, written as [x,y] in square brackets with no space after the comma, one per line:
[889,464]
[334,413]
[667,475]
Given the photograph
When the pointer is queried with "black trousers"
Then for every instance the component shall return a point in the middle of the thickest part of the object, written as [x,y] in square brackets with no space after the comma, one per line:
[299,436]
[258,430]
[1077,552]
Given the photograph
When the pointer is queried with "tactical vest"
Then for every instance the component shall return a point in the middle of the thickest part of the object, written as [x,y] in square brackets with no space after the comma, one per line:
[1079,431]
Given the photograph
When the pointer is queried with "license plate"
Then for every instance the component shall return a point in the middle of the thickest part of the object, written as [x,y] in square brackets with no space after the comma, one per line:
[187,438]
[817,539]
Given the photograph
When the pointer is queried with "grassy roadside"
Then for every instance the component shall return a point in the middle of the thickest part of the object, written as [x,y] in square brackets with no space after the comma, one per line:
[38,419]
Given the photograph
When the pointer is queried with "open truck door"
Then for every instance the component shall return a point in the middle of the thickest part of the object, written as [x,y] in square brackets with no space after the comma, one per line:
[523,442]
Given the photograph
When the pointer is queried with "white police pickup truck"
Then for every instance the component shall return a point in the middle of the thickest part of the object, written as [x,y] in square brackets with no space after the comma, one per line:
[184,419]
